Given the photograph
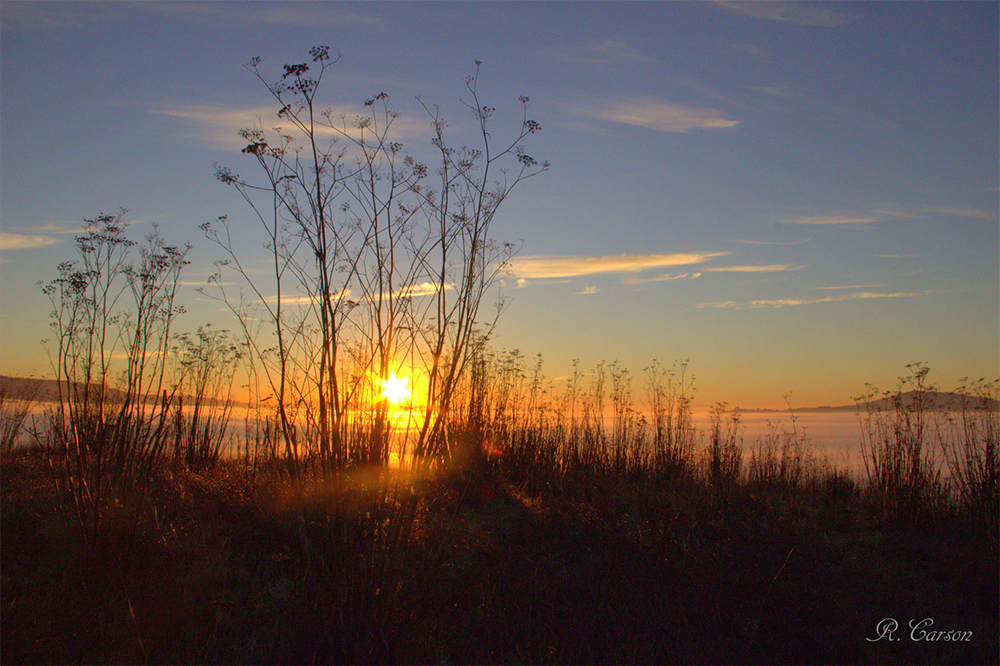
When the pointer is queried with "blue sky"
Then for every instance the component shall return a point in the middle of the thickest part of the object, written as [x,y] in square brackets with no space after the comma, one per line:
[797,197]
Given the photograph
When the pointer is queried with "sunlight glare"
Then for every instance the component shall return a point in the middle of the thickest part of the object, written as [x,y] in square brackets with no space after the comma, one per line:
[394,388]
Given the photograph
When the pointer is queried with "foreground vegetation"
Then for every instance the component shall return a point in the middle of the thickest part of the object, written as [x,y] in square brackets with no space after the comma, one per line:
[537,539]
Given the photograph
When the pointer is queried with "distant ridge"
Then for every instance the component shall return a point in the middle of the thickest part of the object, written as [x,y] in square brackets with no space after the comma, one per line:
[44,390]
[938,401]
[47,390]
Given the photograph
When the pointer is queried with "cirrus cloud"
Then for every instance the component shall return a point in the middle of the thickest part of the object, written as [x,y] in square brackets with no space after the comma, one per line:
[963,212]
[792,302]
[659,115]
[834,219]
[548,266]
[220,126]
[795,13]
[772,268]
[13,241]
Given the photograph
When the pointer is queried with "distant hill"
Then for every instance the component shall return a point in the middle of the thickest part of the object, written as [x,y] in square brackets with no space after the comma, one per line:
[46,390]
[941,401]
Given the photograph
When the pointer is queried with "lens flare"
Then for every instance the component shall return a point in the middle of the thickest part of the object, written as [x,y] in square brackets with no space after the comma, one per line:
[394,388]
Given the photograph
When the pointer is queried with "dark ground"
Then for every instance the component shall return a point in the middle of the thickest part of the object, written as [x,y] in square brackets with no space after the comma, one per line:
[499,570]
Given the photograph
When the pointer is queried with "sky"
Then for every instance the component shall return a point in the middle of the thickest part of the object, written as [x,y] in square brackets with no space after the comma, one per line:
[798,198]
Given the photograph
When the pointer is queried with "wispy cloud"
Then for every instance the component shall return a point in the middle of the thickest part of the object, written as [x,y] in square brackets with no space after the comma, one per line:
[620,49]
[547,266]
[220,125]
[592,289]
[412,291]
[834,219]
[422,289]
[773,268]
[851,286]
[55,228]
[892,212]
[797,13]
[963,212]
[793,302]
[659,115]
[293,14]
[12,241]
[60,15]
[607,51]
[750,242]
[779,93]
[669,277]
[754,51]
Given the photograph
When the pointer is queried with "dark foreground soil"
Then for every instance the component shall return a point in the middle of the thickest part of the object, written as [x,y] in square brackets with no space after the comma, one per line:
[502,571]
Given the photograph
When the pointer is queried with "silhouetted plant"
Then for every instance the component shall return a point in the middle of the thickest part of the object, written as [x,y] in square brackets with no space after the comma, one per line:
[379,263]
[208,363]
[896,437]
[112,317]
[669,393]
[725,452]
[972,449]
[389,266]
[780,458]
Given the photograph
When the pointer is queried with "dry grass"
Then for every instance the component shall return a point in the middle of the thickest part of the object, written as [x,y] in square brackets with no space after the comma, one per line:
[537,538]
[497,568]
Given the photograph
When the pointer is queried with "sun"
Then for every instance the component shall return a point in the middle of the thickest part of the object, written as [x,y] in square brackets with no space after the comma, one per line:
[394,389]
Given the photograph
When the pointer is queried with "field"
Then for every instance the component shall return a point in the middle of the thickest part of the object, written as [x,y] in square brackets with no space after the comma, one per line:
[532,546]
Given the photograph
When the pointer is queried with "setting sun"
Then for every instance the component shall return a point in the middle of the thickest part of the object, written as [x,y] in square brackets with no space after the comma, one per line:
[394,389]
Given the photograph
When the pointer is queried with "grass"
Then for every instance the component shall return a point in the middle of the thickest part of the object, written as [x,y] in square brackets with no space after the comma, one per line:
[544,534]
[552,557]
[16,402]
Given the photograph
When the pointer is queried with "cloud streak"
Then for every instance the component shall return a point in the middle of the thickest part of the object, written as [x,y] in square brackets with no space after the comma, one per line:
[669,277]
[893,213]
[819,220]
[547,266]
[659,115]
[411,291]
[607,51]
[28,15]
[795,13]
[293,14]
[220,125]
[793,302]
[750,242]
[773,268]
[620,49]
[963,212]
[11,241]
[850,286]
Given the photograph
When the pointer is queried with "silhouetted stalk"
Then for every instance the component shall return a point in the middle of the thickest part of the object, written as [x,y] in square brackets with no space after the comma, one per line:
[903,476]
[972,449]
[105,441]
[725,453]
